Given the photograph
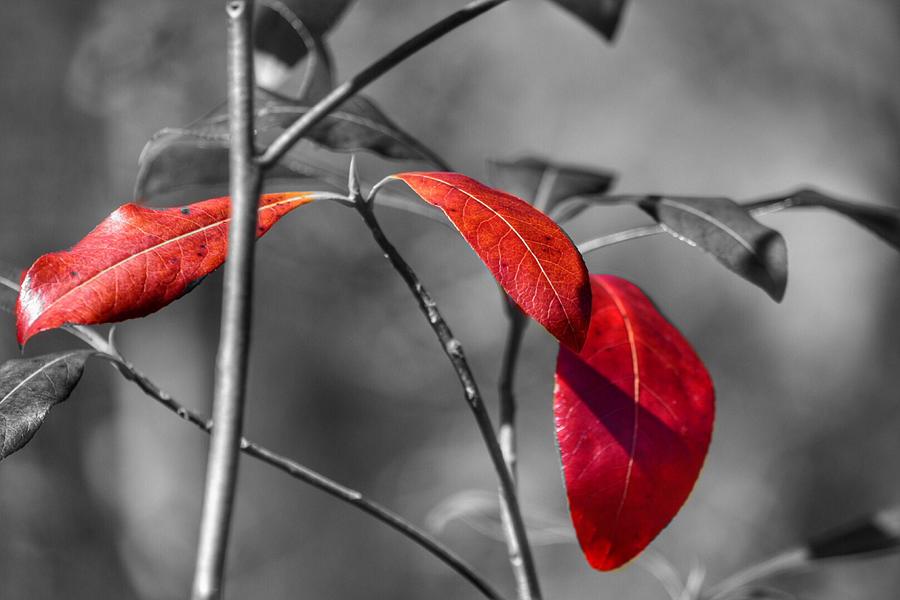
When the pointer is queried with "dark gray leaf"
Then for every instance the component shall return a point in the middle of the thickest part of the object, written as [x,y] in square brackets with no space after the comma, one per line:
[357,124]
[29,388]
[878,533]
[551,187]
[880,220]
[177,159]
[198,155]
[273,68]
[275,36]
[602,15]
[728,232]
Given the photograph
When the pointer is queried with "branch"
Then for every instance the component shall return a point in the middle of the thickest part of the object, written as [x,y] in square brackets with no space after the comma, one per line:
[307,475]
[507,429]
[292,468]
[234,339]
[284,142]
[520,551]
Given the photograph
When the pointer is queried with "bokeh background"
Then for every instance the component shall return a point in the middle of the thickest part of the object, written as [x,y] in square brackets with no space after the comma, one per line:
[709,97]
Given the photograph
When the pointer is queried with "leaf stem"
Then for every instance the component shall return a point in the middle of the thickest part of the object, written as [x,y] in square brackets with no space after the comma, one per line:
[234,341]
[284,142]
[520,551]
[618,237]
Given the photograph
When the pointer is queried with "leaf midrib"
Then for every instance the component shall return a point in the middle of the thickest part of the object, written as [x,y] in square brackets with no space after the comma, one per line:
[118,264]
[524,243]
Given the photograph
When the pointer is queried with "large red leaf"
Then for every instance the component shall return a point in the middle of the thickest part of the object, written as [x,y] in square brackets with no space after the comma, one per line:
[135,262]
[634,413]
[529,255]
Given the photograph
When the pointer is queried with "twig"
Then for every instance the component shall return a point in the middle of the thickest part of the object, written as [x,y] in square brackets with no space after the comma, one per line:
[618,237]
[234,339]
[338,95]
[517,322]
[520,551]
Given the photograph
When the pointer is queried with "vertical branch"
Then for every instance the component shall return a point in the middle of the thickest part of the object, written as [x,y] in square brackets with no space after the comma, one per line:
[507,428]
[506,433]
[519,549]
[234,340]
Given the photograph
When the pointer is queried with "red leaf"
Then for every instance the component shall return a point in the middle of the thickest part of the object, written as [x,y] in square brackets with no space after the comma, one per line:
[528,254]
[135,262]
[634,413]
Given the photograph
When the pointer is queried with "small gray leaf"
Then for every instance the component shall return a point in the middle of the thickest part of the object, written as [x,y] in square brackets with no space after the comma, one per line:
[878,533]
[602,15]
[556,189]
[726,230]
[29,388]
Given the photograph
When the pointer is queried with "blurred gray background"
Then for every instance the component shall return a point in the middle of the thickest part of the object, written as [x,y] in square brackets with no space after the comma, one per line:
[707,96]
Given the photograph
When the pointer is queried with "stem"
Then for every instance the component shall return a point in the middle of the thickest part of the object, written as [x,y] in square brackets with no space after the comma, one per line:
[520,551]
[234,342]
[338,95]
[618,237]
[506,432]
[507,429]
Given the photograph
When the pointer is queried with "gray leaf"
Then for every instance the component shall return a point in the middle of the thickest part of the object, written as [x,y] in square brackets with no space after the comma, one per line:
[726,230]
[29,388]
[878,533]
[556,189]
[177,159]
[602,15]
[880,220]
[273,35]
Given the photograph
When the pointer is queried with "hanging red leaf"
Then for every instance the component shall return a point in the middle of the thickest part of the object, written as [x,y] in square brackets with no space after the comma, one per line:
[135,262]
[526,251]
[634,413]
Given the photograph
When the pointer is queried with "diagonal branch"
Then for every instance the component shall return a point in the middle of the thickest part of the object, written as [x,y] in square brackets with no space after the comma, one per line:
[290,467]
[519,548]
[284,142]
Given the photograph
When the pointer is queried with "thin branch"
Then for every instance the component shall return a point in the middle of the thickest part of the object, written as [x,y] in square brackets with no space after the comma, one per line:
[234,339]
[284,142]
[282,463]
[520,552]
[517,322]
[317,480]
[618,237]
